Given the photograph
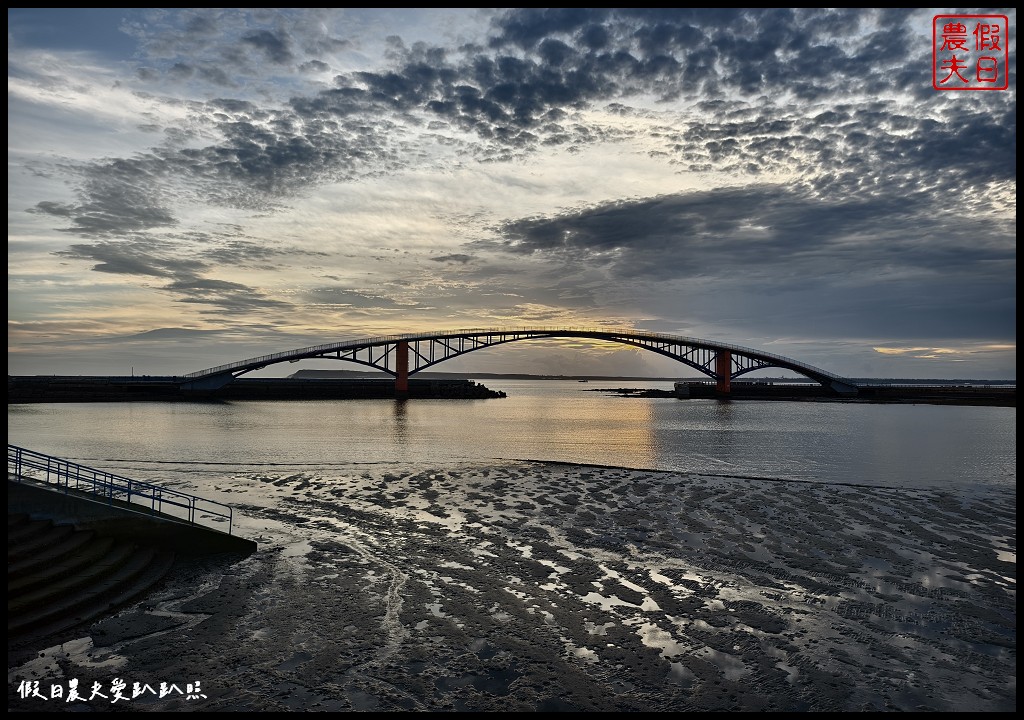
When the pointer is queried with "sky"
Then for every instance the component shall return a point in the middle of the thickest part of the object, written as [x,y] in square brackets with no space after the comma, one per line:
[191,186]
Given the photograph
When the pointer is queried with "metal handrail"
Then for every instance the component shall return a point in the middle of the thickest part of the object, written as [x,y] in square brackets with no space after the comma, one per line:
[29,464]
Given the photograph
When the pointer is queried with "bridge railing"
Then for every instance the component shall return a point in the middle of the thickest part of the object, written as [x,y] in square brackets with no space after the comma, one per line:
[67,475]
[587,331]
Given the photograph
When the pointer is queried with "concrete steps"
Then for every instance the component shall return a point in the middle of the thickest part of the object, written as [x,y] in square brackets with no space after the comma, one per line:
[59,577]
[65,557]
[38,535]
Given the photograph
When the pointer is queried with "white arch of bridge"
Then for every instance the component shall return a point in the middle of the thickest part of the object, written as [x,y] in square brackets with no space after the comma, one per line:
[405,355]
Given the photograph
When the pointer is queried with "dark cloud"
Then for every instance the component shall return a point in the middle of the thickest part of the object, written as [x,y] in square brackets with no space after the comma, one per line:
[751,51]
[234,252]
[202,24]
[527,27]
[538,60]
[135,257]
[567,60]
[262,158]
[222,295]
[204,285]
[216,76]
[757,226]
[53,208]
[314,66]
[116,197]
[460,258]
[274,46]
[187,260]
[231,47]
[881,266]
[180,71]
[872,149]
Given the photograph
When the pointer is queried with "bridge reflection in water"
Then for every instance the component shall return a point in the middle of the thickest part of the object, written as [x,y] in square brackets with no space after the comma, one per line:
[405,355]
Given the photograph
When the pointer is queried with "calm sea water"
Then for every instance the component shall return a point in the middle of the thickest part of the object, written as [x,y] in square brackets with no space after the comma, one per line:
[922,446]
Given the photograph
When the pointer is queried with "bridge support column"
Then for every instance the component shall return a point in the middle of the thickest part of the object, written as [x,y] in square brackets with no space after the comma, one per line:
[723,368]
[402,369]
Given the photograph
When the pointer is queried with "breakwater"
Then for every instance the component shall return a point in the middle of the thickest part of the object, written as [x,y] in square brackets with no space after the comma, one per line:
[67,388]
[990,395]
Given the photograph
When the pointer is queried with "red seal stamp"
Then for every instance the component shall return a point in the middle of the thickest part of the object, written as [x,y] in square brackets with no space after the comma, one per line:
[970,52]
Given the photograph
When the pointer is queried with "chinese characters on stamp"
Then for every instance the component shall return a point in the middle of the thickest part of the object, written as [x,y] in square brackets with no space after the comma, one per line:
[970,52]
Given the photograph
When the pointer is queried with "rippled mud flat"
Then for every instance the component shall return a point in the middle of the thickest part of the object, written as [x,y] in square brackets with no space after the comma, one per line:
[528,586]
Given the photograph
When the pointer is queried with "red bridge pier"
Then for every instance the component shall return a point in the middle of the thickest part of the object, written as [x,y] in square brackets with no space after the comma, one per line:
[402,369]
[723,368]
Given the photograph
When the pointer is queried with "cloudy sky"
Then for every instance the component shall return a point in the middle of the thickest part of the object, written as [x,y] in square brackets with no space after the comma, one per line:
[188,187]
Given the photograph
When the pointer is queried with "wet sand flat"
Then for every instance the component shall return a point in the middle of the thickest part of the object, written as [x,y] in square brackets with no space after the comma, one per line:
[519,586]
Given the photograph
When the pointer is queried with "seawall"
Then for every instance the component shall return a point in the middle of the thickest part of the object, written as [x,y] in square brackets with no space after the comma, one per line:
[997,396]
[75,388]
[115,518]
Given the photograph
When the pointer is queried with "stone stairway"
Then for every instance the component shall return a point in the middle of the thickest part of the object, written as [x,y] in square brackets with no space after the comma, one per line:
[59,578]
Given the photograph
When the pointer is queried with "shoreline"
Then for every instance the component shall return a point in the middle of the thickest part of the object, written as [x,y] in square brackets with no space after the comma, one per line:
[525,586]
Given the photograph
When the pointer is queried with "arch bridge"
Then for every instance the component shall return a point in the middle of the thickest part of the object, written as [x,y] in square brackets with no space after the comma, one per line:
[405,355]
